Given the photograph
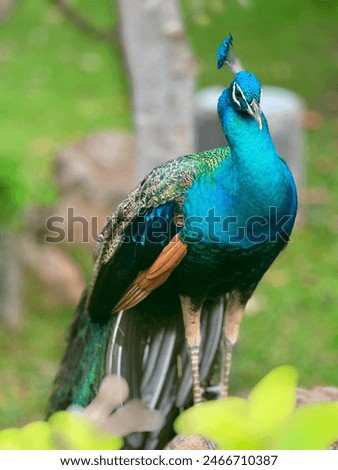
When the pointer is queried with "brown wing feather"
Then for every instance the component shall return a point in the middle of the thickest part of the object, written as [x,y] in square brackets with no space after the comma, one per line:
[148,280]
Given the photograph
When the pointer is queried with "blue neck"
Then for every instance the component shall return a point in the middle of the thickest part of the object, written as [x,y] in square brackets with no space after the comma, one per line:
[250,146]
[254,157]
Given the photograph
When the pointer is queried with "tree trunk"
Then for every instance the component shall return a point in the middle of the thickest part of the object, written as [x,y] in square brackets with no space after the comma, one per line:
[162,73]
[10,281]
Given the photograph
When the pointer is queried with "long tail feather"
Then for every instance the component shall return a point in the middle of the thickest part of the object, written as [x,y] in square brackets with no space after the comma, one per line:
[165,385]
[83,365]
[153,360]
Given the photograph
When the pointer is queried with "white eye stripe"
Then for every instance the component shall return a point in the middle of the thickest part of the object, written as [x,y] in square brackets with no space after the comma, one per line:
[235,88]
[234,95]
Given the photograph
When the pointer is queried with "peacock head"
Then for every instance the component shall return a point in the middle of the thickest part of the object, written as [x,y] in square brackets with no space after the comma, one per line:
[245,90]
[246,95]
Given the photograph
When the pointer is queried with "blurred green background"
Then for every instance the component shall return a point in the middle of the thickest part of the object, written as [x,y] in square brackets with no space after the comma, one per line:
[58,84]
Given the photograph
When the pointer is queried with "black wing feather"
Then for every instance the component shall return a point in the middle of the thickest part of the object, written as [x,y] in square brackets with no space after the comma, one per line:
[142,242]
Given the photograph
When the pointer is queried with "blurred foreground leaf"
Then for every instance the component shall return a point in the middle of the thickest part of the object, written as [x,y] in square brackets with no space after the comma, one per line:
[267,420]
[64,430]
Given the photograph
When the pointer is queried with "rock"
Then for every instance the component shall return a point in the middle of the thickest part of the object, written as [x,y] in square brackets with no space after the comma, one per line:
[316,395]
[60,278]
[190,443]
[101,167]
[76,220]
[6,9]
[93,175]
[11,280]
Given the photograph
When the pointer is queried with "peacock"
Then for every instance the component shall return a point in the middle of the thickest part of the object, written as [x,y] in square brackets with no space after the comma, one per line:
[177,263]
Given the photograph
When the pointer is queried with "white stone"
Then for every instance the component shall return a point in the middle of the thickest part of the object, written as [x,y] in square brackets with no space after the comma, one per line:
[284,112]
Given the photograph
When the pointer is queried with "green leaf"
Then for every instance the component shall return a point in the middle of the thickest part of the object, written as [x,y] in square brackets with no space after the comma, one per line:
[224,422]
[70,431]
[312,427]
[35,436]
[273,399]
[63,430]
[9,439]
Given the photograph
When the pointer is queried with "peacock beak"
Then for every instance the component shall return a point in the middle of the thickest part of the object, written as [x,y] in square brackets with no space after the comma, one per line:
[255,111]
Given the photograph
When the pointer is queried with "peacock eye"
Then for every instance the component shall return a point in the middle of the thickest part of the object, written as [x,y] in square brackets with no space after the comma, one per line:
[238,94]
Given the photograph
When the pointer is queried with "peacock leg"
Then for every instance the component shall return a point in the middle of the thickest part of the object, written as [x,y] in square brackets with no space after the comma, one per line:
[234,312]
[191,316]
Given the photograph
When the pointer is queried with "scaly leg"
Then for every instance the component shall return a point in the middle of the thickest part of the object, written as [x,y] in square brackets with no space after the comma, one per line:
[191,316]
[234,312]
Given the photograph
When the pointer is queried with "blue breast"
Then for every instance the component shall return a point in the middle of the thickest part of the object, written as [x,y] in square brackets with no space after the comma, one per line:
[249,199]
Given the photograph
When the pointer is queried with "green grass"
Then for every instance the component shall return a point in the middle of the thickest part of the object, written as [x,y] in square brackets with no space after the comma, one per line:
[29,361]
[57,85]
[286,44]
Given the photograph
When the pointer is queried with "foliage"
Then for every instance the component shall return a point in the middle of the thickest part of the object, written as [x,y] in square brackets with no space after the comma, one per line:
[266,420]
[63,430]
